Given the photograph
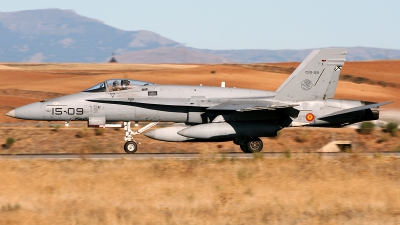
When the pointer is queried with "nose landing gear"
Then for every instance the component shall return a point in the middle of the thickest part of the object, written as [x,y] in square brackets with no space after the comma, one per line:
[131,145]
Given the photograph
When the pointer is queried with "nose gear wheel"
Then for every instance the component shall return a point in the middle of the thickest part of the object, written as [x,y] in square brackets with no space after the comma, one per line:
[130,147]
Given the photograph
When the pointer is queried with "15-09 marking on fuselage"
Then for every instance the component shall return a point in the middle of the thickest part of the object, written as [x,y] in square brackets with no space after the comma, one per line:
[68,111]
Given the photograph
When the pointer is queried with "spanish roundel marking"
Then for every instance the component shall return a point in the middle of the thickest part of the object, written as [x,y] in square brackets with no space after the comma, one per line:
[310,117]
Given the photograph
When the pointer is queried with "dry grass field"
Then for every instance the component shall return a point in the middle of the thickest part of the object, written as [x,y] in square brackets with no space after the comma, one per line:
[301,190]
[66,140]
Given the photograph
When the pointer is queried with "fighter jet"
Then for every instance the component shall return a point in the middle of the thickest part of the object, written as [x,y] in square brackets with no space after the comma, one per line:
[209,114]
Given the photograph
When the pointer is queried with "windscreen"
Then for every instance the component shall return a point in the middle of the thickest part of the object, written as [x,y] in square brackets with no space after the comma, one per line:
[97,88]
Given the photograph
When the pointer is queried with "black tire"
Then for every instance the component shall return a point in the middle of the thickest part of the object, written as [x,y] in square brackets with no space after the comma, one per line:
[244,148]
[254,145]
[130,147]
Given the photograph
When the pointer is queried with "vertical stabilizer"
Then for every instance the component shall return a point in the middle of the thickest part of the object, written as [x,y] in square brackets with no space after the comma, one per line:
[316,77]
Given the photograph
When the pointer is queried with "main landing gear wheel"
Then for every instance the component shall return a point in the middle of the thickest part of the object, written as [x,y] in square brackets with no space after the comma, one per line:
[130,147]
[251,145]
[255,145]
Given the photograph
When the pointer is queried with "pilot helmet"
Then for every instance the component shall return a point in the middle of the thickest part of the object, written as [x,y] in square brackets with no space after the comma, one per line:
[125,82]
[115,83]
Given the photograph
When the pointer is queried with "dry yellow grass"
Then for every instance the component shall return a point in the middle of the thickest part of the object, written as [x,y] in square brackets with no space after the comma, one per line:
[304,190]
[60,139]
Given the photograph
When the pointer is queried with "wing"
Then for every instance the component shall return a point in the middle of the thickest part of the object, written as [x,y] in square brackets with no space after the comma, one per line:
[248,105]
[215,106]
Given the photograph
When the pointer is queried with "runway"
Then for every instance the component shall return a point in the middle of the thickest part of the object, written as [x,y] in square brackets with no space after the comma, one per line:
[185,156]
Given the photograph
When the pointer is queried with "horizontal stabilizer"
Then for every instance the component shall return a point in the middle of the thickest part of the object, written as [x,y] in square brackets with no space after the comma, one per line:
[355,109]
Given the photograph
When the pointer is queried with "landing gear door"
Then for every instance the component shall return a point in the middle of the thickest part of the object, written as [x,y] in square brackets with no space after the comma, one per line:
[97,115]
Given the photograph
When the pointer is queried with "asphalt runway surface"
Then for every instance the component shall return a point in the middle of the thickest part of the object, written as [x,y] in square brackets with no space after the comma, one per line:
[184,156]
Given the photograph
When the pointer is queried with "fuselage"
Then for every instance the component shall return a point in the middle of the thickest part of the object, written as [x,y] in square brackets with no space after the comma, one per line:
[171,103]
[80,106]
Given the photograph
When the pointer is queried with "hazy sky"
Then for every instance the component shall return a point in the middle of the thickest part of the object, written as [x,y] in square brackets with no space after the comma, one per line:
[252,24]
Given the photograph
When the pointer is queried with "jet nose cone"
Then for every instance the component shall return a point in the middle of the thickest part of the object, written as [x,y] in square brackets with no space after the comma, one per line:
[11,113]
[33,111]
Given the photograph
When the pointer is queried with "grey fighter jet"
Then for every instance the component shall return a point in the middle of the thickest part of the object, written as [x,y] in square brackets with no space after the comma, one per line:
[204,114]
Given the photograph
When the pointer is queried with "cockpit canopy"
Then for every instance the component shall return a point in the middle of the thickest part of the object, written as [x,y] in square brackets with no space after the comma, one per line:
[117,85]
